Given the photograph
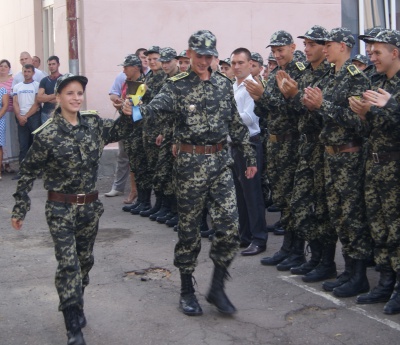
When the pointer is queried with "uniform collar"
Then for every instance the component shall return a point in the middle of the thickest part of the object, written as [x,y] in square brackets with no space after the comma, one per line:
[65,125]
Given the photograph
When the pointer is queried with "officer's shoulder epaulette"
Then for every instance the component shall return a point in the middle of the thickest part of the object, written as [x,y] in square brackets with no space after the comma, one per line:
[89,112]
[332,64]
[353,70]
[179,76]
[300,66]
[37,130]
[264,83]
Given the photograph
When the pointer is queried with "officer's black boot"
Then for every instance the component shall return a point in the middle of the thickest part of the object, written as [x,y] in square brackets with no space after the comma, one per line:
[188,302]
[81,315]
[358,282]
[129,208]
[282,253]
[145,204]
[164,209]
[393,305]
[74,333]
[216,295]
[316,254]
[155,208]
[326,269]
[296,257]
[343,277]
[382,292]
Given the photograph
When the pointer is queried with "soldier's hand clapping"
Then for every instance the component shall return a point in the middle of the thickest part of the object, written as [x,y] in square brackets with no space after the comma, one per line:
[378,99]
[359,106]
[254,89]
[312,98]
[287,85]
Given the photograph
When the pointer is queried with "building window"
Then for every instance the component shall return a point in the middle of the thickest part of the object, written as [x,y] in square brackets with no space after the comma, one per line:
[48,31]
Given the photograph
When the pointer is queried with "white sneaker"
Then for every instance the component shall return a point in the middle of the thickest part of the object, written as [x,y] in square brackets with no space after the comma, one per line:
[113,192]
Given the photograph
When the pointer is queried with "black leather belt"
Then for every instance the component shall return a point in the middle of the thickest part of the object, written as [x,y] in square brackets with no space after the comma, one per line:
[79,199]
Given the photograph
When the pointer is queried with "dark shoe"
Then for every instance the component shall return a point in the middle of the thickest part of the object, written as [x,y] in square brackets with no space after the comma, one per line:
[282,253]
[279,231]
[326,269]
[253,249]
[128,208]
[271,228]
[173,221]
[74,333]
[207,233]
[341,278]
[160,213]
[316,254]
[216,295]
[168,216]
[296,257]
[211,237]
[81,318]
[176,228]
[393,305]
[142,207]
[188,302]
[273,208]
[244,244]
[358,282]
[383,291]
[153,210]
[16,177]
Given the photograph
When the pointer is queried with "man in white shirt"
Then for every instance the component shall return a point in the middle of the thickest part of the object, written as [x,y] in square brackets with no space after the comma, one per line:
[26,109]
[26,58]
[252,224]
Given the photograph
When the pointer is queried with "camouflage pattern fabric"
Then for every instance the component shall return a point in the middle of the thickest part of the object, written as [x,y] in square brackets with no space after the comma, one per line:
[280,38]
[382,184]
[282,118]
[204,113]
[309,203]
[69,158]
[344,172]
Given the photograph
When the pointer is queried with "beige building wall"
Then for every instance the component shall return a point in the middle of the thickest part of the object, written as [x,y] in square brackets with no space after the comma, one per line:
[111,29]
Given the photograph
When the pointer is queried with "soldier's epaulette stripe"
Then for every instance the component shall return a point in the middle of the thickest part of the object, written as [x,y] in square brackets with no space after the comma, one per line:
[300,66]
[179,76]
[353,70]
[222,74]
[37,130]
[89,112]
[332,64]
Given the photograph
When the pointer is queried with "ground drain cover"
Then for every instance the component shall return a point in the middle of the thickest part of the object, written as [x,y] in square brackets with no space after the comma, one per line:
[152,273]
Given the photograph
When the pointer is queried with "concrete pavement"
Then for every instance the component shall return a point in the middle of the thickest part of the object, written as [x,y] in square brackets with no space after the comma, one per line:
[127,305]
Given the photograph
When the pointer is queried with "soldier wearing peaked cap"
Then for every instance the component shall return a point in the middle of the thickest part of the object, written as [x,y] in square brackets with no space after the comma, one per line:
[183,61]
[370,71]
[67,149]
[309,203]
[282,146]
[342,134]
[225,67]
[203,107]
[382,184]
[360,61]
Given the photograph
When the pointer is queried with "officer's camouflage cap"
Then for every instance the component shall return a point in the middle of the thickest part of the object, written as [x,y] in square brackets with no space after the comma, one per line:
[182,54]
[298,55]
[388,36]
[257,57]
[341,35]
[167,54]
[152,49]
[67,78]
[370,33]
[271,57]
[203,42]
[316,33]
[361,58]
[227,61]
[280,38]
[131,60]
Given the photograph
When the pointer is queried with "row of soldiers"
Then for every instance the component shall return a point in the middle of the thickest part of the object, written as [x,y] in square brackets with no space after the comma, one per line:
[333,159]
[331,152]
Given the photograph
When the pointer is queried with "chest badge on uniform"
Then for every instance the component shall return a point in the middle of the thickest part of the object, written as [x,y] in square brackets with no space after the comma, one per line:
[192,108]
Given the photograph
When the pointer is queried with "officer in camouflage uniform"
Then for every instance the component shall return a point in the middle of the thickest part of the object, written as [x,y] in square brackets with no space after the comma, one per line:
[282,147]
[342,134]
[370,71]
[67,149]
[134,144]
[154,81]
[309,203]
[360,61]
[203,107]
[382,184]
[162,181]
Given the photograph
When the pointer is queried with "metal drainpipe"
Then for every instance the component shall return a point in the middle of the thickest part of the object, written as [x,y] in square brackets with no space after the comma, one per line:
[72,25]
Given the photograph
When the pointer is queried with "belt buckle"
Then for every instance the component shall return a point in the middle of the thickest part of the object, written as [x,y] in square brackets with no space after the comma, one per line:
[208,150]
[375,157]
[80,196]
[273,138]
[330,150]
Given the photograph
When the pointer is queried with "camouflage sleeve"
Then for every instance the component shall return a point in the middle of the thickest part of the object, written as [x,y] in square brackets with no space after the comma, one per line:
[163,106]
[342,113]
[240,136]
[390,113]
[117,130]
[30,168]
